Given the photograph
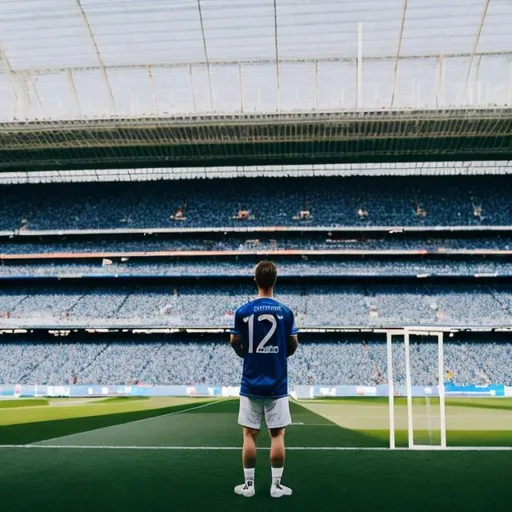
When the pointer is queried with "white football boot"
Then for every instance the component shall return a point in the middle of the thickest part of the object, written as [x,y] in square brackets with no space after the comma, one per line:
[246,489]
[278,490]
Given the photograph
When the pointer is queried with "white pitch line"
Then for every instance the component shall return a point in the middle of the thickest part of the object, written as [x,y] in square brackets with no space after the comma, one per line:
[417,415]
[313,425]
[230,448]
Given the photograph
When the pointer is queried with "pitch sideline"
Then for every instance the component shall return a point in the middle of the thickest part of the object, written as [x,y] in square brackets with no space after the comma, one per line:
[229,448]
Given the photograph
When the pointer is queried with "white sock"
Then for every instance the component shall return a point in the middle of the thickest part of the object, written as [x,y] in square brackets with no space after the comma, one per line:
[277,474]
[249,476]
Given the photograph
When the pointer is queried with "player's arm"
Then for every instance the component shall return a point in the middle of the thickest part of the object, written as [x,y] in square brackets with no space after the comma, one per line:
[236,343]
[236,335]
[292,344]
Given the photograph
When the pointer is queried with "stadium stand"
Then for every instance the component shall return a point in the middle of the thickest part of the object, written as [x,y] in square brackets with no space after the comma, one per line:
[361,202]
[186,362]
[287,267]
[257,242]
[213,306]
[387,201]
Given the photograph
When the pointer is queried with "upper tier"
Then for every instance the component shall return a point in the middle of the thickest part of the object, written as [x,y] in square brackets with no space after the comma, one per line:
[358,201]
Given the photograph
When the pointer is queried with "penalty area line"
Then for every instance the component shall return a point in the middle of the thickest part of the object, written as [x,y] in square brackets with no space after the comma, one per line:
[228,448]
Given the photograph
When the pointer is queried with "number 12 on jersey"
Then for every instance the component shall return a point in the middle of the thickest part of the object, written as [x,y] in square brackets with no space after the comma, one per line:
[260,346]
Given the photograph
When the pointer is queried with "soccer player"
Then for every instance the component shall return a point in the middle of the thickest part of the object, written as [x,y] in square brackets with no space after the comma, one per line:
[264,336]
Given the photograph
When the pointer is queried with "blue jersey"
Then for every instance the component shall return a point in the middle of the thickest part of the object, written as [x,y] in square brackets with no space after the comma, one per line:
[264,326]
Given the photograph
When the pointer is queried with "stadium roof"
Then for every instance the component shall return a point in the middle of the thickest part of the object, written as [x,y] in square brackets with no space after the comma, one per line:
[77,58]
[72,61]
[473,168]
[280,139]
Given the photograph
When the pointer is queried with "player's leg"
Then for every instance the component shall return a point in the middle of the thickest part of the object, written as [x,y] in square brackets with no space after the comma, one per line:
[277,458]
[249,416]
[249,453]
[277,416]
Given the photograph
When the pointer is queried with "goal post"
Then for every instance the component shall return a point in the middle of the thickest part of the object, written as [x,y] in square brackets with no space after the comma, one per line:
[439,335]
[411,391]
[391,389]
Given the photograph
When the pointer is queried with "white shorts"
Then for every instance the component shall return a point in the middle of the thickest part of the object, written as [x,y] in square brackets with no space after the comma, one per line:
[277,412]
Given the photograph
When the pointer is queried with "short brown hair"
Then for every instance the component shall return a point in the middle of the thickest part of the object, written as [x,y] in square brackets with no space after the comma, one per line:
[265,274]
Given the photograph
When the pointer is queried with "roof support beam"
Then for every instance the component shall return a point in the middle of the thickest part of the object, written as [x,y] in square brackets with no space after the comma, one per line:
[475,45]
[6,66]
[316,85]
[359,66]
[509,95]
[440,82]
[240,87]
[19,90]
[192,90]
[72,89]
[30,79]
[101,65]
[278,81]
[154,98]
[206,54]
[165,65]
[397,59]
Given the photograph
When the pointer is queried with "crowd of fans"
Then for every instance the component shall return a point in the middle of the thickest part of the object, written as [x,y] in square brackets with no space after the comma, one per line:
[368,201]
[326,304]
[183,363]
[287,267]
[249,243]
[309,202]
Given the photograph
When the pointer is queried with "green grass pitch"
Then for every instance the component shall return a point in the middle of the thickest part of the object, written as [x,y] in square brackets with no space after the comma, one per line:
[182,454]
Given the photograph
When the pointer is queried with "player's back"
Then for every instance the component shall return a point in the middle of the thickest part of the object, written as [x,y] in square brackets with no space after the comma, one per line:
[264,325]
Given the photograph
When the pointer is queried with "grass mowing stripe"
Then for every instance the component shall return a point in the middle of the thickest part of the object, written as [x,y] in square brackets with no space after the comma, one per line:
[173,413]
[122,399]
[32,431]
[24,415]
[23,403]
[288,448]
[181,411]
[72,403]
[191,481]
